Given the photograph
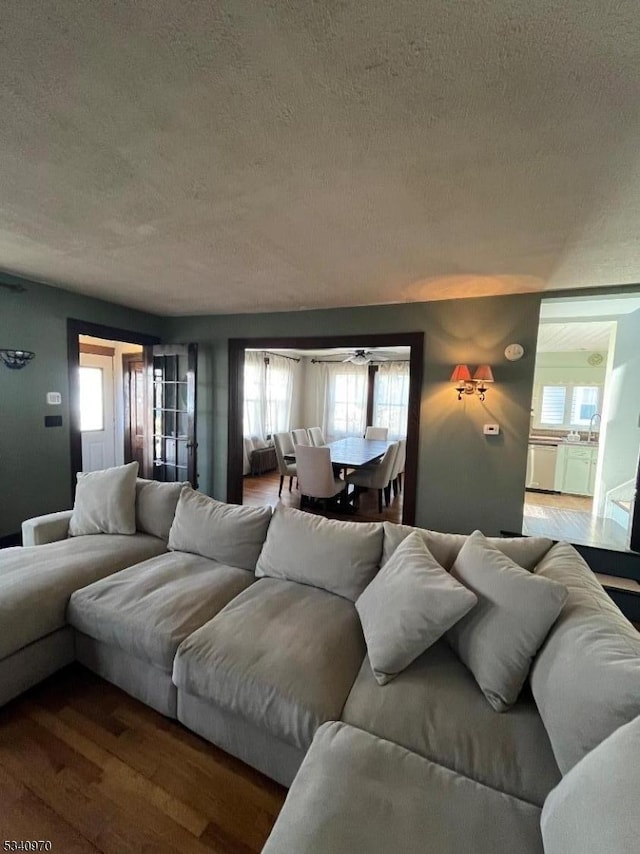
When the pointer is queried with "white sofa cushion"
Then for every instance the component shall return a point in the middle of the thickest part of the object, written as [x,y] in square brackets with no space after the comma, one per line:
[147,610]
[435,708]
[498,639]
[281,655]
[105,502]
[410,603]
[340,557]
[229,533]
[358,794]
[595,808]
[525,551]
[586,677]
[156,506]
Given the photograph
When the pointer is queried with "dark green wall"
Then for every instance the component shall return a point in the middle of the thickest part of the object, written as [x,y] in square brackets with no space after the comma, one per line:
[465,480]
[34,460]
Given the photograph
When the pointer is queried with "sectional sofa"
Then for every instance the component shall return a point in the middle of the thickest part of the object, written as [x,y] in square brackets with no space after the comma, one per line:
[248,628]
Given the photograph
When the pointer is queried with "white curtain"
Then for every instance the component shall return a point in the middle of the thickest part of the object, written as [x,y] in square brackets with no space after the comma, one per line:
[254,394]
[391,398]
[279,382]
[345,399]
[268,392]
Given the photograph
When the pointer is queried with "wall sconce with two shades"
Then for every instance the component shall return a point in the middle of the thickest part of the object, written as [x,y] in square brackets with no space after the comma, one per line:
[476,384]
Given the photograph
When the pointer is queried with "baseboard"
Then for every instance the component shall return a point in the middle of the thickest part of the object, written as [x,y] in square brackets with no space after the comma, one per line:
[10,540]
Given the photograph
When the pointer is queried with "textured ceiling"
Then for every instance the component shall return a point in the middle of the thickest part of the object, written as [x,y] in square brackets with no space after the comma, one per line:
[196,157]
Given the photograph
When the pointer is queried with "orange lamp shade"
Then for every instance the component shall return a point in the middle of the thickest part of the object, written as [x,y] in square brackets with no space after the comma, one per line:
[484,374]
[461,374]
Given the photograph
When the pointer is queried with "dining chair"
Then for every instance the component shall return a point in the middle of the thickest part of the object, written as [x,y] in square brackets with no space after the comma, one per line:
[317,437]
[376,476]
[380,433]
[398,466]
[300,437]
[284,446]
[315,474]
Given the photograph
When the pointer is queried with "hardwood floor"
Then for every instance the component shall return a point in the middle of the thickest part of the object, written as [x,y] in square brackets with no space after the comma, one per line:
[87,767]
[569,517]
[263,489]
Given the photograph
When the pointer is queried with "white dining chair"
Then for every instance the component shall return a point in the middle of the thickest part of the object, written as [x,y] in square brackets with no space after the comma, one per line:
[300,437]
[315,474]
[317,437]
[378,433]
[398,466]
[284,446]
[377,476]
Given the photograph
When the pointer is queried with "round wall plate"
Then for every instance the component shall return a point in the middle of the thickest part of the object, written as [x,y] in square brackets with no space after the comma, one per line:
[595,359]
[513,352]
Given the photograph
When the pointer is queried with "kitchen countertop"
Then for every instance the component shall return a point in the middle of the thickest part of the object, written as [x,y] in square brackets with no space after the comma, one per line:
[558,440]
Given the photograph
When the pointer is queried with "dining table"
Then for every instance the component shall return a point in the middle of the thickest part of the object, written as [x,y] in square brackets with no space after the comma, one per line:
[353,452]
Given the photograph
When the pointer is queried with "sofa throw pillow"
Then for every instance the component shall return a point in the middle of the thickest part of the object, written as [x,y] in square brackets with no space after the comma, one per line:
[586,678]
[232,534]
[594,809]
[410,603]
[341,557]
[156,506]
[499,637]
[525,551]
[105,502]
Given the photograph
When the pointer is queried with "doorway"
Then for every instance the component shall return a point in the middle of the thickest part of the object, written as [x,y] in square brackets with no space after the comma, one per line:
[413,342]
[111,402]
[584,441]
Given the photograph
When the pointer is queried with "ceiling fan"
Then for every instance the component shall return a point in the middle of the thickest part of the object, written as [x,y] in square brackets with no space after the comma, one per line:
[363,357]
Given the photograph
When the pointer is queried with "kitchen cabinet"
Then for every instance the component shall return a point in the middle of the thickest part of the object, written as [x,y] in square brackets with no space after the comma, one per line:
[576,469]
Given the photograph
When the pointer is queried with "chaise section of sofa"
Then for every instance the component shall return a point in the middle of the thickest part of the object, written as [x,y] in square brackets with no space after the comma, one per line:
[356,792]
[35,585]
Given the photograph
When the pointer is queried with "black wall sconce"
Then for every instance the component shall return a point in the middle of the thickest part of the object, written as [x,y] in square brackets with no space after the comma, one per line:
[16,359]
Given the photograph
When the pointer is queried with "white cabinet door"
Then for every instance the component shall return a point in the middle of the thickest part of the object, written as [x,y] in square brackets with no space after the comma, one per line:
[578,470]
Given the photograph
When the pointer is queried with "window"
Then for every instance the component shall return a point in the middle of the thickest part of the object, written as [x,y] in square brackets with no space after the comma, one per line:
[566,406]
[91,399]
[268,392]
[391,398]
[584,404]
[553,402]
[349,404]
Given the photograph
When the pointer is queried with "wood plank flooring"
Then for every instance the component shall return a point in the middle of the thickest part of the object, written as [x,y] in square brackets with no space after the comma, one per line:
[263,489]
[569,517]
[89,768]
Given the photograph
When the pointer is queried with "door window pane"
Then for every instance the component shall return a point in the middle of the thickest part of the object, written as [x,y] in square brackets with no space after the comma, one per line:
[91,399]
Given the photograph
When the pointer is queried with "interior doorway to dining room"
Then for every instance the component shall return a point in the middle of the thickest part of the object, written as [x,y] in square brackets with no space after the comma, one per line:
[329,391]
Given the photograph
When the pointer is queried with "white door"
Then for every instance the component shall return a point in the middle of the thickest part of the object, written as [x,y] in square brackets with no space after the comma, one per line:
[97,415]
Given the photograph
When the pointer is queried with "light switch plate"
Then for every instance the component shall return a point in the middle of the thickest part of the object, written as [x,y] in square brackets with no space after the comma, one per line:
[54,398]
[491,429]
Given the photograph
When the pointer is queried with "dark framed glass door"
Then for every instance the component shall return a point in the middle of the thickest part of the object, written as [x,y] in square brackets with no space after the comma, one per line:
[171,370]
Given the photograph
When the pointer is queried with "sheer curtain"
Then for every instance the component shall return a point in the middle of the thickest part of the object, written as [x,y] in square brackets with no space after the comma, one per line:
[278,396]
[268,392]
[391,398]
[345,399]
[254,395]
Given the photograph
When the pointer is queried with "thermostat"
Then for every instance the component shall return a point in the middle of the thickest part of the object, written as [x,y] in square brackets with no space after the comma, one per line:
[491,429]
[54,398]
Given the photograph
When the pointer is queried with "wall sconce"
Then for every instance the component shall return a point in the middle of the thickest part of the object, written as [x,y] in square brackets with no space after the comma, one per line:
[467,384]
[16,359]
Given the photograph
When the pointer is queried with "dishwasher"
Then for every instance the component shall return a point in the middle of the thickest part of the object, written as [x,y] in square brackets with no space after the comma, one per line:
[541,467]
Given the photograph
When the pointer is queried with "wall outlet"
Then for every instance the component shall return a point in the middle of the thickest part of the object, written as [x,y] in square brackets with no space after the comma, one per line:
[54,398]
[491,429]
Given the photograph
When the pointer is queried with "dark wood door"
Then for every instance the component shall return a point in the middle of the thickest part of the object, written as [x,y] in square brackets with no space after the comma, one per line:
[135,408]
[171,378]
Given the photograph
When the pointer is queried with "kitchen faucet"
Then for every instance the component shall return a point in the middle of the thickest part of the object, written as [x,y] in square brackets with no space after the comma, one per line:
[591,420]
